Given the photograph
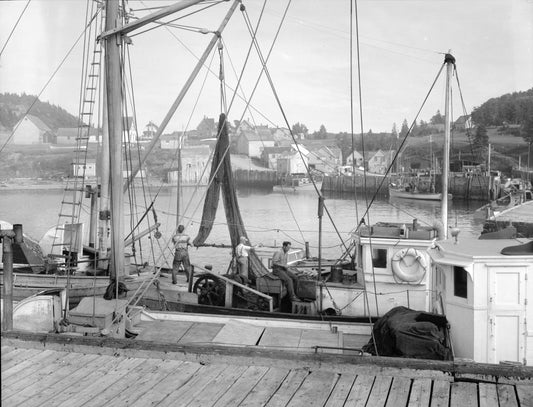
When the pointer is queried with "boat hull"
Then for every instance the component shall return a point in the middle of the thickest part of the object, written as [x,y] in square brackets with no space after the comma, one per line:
[422,196]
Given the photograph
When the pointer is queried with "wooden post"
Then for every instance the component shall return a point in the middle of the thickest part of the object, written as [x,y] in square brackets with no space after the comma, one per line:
[7,237]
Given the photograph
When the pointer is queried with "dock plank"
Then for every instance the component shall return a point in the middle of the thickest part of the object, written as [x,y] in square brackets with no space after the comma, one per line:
[440,396]
[360,391]
[380,391]
[242,387]
[18,356]
[239,333]
[399,392]
[196,384]
[130,378]
[163,331]
[147,382]
[315,389]
[29,393]
[162,389]
[420,393]
[265,388]
[25,377]
[287,389]
[463,394]
[281,338]
[67,378]
[86,392]
[22,362]
[525,395]
[217,387]
[201,333]
[341,390]
[488,395]
[506,395]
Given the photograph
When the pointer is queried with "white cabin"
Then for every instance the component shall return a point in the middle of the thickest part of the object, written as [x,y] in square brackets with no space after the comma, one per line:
[487,298]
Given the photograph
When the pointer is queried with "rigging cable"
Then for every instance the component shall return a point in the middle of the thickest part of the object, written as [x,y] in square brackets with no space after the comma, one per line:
[14,28]
[267,73]
[48,82]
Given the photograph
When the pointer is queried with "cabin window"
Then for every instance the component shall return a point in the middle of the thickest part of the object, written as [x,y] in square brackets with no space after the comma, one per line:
[460,278]
[379,258]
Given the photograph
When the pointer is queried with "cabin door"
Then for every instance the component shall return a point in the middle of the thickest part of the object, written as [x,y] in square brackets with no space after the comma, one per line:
[506,317]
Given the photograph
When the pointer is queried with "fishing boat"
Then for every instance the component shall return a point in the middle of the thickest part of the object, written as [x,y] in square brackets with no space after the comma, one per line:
[386,265]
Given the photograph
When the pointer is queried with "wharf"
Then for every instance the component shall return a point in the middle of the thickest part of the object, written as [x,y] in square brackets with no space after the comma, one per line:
[57,370]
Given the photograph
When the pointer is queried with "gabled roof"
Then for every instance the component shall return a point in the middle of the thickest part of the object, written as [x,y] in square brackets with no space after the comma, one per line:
[276,150]
[258,135]
[38,122]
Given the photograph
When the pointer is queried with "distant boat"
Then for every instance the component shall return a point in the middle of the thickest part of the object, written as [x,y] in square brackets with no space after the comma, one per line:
[406,193]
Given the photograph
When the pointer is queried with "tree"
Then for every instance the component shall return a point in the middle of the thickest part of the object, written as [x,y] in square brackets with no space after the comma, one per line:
[405,129]
[394,131]
[437,119]
[299,129]
[322,133]
[526,131]
[481,140]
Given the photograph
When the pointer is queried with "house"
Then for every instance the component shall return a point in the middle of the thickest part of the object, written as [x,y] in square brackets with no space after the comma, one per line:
[195,166]
[357,157]
[207,128]
[66,136]
[295,161]
[380,161]
[463,123]
[252,142]
[270,155]
[87,171]
[31,130]
[282,136]
[170,141]
[325,159]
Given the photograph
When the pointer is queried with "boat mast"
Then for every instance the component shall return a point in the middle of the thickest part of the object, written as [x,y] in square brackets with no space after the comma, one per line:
[449,60]
[113,80]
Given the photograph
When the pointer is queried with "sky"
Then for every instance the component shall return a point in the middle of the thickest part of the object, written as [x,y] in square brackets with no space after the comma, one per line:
[401,47]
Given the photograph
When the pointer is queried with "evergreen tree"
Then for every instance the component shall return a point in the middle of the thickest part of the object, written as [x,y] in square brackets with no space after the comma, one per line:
[405,129]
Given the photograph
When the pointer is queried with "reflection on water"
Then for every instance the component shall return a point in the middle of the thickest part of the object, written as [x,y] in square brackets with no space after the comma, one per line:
[269,217]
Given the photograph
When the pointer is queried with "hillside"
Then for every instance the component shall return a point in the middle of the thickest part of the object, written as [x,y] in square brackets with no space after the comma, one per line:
[13,107]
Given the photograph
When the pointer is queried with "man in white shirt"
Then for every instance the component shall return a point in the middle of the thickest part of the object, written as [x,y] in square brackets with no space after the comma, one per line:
[242,252]
[281,270]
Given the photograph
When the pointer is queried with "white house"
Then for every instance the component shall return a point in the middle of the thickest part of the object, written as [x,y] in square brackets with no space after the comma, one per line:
[325,158]
[252,142]
[195,166]
[380,161]
[88,170]
[294,161]
[270,155]
[357,157]
[31,130]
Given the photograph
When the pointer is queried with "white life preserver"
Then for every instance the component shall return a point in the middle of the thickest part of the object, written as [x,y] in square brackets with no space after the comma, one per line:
[409,265]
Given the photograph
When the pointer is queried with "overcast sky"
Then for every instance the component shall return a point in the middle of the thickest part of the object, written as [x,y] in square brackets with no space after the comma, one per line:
[401,45]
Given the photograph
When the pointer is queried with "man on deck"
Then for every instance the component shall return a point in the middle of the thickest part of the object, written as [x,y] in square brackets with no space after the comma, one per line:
[281,270]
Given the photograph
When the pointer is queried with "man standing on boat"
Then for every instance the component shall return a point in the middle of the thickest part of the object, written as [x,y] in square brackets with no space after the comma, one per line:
[181,256]
[242,252]
[281,270]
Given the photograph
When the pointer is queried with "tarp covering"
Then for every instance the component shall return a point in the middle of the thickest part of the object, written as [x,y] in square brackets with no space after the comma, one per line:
[222,177]
[403,332]
[519,250]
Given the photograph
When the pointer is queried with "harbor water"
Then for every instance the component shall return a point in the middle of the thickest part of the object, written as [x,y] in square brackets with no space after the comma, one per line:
[269,217]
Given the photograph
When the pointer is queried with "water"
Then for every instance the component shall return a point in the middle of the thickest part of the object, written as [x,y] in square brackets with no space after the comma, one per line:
[269,217]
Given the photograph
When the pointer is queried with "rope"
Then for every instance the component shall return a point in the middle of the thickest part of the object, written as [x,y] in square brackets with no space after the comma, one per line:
[14,27]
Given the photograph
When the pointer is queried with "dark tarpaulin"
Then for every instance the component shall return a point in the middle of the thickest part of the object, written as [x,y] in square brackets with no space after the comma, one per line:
[222,176]
[403,332]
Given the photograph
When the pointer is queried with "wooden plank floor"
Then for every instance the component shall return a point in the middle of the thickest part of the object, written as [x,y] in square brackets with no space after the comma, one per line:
[32,377]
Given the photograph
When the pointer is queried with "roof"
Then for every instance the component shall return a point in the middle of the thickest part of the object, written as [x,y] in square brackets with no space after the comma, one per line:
[470,248]
[274,150]
[258,135]
[38,122]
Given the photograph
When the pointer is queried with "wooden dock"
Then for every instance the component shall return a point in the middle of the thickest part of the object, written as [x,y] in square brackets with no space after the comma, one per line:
[56,370]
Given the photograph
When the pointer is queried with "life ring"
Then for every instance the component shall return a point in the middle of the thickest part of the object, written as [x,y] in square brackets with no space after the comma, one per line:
[409,265]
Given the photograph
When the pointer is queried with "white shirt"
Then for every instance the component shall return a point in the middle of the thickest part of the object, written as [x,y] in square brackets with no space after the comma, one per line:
[243,250]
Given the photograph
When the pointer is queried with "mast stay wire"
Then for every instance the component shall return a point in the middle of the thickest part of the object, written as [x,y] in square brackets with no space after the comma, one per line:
[267,73]
[2,148]
[14,28]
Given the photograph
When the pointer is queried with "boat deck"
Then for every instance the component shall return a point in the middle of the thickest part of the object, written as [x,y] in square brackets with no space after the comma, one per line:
[79,374]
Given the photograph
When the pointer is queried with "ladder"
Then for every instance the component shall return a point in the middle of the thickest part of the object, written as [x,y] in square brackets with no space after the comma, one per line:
[68,235]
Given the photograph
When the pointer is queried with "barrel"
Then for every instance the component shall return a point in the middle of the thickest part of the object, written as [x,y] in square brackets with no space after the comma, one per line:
[336,274]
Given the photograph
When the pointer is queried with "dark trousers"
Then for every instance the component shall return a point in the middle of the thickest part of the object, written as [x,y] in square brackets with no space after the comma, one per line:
[288,277]
[181,256]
